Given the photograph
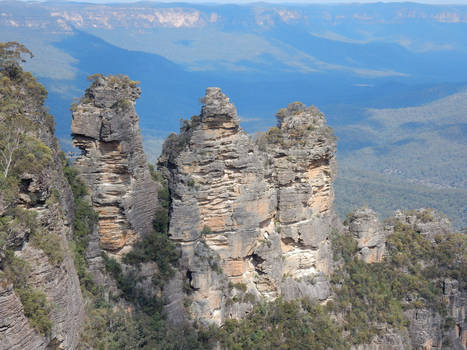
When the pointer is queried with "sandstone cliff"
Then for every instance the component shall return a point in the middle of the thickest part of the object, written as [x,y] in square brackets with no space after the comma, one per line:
[113,164]
[35,229]
[253,219]
[255,216]
[427,327]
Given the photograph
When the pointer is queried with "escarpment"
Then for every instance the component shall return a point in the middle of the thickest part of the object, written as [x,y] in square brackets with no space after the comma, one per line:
[41,306]
[233,231]
[113,164]
[258,213]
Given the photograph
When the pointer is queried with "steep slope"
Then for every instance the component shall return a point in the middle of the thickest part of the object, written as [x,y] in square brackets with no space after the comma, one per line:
[40,295]
[113,164]
[247,214]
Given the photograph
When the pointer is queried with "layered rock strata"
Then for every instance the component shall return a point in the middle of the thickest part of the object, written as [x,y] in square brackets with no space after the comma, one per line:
[246,214]
[57,280]
[113,164]
[427,329]
[364,225]
[45,193]
[302,150]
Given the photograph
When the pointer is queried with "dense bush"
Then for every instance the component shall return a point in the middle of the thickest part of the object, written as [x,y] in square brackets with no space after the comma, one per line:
[84,222]
[410,277]
[36,307]
[49,243]
[300,324]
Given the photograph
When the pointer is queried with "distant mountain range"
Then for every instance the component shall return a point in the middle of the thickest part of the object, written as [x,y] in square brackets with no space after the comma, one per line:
[365,66]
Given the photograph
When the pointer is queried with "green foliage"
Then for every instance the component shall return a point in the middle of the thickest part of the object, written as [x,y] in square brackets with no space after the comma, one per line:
[206,230]
[122,104]
[83,225]
[123,80]
[344,246]
[368,294]
[283,325]
[274,135]
[9,189]
[11,56]
[156,247]
[36,307]
[49,243]
[33,157]
[19,219]
[20,152]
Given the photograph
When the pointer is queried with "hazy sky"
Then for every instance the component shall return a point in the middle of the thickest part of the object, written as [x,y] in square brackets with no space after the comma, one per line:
[441,2]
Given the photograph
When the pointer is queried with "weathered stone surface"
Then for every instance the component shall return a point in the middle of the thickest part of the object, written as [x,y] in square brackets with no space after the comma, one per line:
[426,328]
[113,164]
[426,221]
[302,151]
[365,227]
[48,194]
[262,210]
[15,332]
[221,205]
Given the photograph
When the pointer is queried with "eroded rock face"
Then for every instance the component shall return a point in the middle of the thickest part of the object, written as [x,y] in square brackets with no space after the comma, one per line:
[47,194]
[426,221]
[427,329]
[256,215]
[302,151]
[221,205]
[15,329]
[370,234]
[113,164]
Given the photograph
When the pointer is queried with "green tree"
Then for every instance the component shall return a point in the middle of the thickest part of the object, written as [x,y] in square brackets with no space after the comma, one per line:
[12,139]
[11,56]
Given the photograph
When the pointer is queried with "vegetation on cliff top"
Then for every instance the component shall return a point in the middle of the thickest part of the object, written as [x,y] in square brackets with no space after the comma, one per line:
[22,156]
[411,277]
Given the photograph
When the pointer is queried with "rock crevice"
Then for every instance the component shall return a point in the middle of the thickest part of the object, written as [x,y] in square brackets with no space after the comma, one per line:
[263,208]
[113,164]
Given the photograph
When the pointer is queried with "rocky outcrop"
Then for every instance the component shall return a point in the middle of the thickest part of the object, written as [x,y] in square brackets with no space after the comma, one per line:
[57,279]
[15,331]
[221,207]
[427,329]
[364,225]
[302,150]
[44,196]
[427,222]
[113,164]
[252,215]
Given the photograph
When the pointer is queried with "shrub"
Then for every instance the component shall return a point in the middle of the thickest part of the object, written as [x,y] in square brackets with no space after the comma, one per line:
[36,307]
[156,247]
[206,230]
[49,243]
[84,223]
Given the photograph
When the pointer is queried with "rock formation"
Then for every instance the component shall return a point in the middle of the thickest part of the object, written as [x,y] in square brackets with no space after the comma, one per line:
[44,195]
[365,227]
[302,150]
[253,219]
[113,164]
[262,212]
[426,327]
